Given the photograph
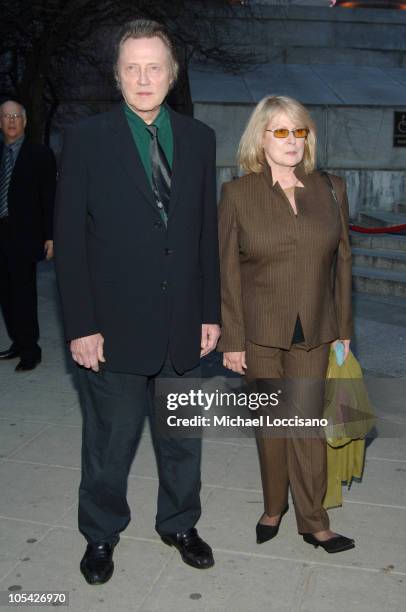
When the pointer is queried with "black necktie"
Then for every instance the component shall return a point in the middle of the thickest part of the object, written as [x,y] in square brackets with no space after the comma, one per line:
[161,172]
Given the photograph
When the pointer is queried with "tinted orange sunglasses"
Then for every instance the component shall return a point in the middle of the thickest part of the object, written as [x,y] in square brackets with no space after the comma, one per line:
[284,132]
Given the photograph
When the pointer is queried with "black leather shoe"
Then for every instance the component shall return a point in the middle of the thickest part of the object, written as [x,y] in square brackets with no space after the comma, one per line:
[194,551]
[27,364]
[97,564]
[267,532]
[337,543]
[10,353]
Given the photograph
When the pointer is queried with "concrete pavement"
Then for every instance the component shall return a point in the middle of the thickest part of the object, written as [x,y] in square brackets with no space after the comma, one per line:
[40,547]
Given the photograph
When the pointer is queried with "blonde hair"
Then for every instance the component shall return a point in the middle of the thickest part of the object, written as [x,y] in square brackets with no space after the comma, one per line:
[251,157]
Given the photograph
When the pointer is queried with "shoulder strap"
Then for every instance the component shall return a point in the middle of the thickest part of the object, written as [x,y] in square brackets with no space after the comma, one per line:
[331,184]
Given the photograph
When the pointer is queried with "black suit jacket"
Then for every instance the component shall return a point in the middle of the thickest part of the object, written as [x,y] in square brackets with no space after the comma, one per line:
[120,272]
[31,199]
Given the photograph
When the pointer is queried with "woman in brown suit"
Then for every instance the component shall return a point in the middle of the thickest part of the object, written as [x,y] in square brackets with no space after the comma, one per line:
[286,296]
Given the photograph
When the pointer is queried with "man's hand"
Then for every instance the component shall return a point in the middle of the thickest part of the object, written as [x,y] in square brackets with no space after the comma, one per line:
[88,351]
[210,335]
[49,249]
[235,361]
[346,347]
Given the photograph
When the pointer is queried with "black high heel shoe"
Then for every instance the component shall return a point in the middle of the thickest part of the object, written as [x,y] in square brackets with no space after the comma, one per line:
[337,543]
[267,532]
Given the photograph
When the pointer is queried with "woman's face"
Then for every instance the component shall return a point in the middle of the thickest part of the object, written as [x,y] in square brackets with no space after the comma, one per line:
[283,151]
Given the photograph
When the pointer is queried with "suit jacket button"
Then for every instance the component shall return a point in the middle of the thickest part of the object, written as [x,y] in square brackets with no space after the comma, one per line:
[157,225]
[164,285]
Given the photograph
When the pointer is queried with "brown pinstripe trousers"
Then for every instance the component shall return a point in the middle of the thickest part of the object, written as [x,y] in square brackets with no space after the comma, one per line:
[297,457]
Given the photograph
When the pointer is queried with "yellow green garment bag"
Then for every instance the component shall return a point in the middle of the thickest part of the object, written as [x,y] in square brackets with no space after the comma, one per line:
[350,417]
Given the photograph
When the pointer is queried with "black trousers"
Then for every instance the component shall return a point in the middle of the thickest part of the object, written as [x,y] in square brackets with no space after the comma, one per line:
[18,296]
[114,407]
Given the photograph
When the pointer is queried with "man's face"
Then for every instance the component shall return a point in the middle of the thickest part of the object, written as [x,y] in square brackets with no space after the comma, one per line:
[144,73]
[12,121]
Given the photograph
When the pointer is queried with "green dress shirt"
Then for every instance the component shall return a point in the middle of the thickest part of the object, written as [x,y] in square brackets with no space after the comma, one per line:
[142,137]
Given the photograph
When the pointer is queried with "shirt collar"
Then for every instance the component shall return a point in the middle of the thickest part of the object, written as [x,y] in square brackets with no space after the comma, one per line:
[162,117]
[134,117]
[299,172]
[15,146]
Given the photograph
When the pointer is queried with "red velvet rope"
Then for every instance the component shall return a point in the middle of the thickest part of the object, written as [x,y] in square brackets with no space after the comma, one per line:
[391,229]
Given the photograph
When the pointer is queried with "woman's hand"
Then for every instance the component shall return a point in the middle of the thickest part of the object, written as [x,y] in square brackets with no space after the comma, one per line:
[346,347]
[235,361]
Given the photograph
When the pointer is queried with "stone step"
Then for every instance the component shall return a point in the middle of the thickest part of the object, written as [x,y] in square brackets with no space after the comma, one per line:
[379,282]
[376,218]
[396,242]
[379,258]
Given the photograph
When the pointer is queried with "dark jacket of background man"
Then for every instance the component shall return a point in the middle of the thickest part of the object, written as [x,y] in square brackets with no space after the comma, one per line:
[31,199]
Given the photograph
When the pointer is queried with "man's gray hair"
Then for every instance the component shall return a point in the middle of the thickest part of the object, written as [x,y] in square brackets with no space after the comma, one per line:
[145,28]
[24,112]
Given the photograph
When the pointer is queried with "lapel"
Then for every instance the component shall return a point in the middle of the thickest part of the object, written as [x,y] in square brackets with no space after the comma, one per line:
[125,149]
[303,195]
[300,174]
[22,156]
[181,146]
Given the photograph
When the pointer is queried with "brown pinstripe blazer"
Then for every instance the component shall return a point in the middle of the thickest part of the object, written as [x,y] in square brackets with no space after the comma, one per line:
[275,265]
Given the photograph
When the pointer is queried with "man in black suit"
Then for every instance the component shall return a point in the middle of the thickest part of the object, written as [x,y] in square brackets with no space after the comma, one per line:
[27,193]
[136,251]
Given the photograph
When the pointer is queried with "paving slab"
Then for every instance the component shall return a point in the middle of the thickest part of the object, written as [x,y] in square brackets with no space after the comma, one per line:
[237,583]
[15,434]
[36,492]
[71,418]
[17,539]
[35,402]
[244,471]
[383,482]
[53,566]
[331,589]
[387,449]
[59,446]
[381,349]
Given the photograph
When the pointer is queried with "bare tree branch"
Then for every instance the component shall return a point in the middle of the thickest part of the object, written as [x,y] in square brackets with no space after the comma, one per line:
[48,46]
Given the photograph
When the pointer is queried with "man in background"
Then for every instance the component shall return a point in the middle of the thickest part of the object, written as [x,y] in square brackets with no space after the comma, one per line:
[27,193]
